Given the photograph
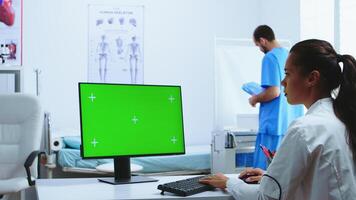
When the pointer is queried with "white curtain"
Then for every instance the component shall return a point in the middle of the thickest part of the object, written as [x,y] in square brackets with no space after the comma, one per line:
[237,61]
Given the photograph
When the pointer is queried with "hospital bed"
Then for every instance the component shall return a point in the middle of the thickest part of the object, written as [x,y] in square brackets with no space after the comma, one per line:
[66,161]
[69,163]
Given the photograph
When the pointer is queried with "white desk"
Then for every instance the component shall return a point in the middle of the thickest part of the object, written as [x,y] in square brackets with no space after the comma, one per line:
[91,188]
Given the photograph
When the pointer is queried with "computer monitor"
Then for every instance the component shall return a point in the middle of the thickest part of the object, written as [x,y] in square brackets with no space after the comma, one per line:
[120,121]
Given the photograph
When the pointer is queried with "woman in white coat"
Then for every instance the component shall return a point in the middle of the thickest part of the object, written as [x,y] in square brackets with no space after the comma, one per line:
[317,157]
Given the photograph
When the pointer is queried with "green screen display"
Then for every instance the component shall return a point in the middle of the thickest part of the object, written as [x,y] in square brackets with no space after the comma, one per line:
[130,120]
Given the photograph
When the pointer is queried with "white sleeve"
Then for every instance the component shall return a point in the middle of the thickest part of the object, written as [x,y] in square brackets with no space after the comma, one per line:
[242,190]
[288,167]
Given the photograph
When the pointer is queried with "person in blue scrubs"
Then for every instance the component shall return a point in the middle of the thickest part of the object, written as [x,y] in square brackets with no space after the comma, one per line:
[275,113]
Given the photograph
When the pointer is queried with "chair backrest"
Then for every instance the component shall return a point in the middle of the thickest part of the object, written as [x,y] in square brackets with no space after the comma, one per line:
[20,132]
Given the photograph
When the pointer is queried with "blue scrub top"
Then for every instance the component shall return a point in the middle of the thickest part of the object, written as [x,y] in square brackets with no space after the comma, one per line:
[276,115]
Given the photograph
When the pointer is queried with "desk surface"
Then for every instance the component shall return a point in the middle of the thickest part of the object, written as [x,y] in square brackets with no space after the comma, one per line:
[91,188]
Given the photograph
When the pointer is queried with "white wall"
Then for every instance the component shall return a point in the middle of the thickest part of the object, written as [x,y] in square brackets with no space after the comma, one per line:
[317,21]
[239,18]
[347,27]
[178,49]
[283,16]
[236,18]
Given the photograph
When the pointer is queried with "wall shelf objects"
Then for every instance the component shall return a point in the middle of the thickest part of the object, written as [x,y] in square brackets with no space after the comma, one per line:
[11,46]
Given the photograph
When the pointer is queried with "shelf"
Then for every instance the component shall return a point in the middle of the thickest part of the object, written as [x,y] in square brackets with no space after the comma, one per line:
[4,67]
[17,72]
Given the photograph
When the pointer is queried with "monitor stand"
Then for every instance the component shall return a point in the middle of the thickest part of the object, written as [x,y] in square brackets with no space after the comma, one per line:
[122,172]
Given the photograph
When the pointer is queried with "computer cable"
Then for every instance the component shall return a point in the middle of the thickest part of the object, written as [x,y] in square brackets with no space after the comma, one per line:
[279,186]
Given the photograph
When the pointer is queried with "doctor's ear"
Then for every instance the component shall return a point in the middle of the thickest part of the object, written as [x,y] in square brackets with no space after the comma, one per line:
[262,41]
[313,78]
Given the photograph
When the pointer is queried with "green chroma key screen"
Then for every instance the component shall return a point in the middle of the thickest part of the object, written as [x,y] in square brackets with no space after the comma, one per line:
[130,120]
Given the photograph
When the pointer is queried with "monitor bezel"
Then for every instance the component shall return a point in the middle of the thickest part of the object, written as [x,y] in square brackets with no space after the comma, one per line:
[135,155]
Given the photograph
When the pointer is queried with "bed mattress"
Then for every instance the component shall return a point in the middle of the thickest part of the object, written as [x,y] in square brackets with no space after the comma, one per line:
[197,158]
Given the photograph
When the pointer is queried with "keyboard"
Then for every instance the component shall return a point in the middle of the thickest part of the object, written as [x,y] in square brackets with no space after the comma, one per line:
[185,187]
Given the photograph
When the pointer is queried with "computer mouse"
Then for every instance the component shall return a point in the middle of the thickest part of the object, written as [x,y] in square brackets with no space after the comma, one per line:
[246,176]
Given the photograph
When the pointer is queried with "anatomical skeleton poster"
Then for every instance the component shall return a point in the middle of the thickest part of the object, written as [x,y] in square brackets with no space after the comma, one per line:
[115,53]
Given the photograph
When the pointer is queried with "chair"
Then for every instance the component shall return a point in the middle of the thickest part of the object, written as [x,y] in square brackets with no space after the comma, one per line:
[20,138]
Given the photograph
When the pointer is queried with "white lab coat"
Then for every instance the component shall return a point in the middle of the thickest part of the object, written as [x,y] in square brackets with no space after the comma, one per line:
[314,161]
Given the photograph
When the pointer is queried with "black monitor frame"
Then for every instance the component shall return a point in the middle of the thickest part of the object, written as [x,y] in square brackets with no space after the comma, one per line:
[122,168]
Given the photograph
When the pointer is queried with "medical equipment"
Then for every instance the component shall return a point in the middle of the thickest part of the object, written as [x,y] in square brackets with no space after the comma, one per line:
[232,151]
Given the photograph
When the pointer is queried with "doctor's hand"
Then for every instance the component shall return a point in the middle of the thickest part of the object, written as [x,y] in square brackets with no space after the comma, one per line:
[253,100]
[252,174]
[218,180]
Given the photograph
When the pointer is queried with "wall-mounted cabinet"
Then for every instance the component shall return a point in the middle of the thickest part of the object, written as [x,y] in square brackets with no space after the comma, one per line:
[10,79]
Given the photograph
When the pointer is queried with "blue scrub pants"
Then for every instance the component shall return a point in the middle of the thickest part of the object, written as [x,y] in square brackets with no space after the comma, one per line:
[272,142]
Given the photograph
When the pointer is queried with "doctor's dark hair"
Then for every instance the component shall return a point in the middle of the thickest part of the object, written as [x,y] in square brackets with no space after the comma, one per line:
[264,31]
[319,55]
